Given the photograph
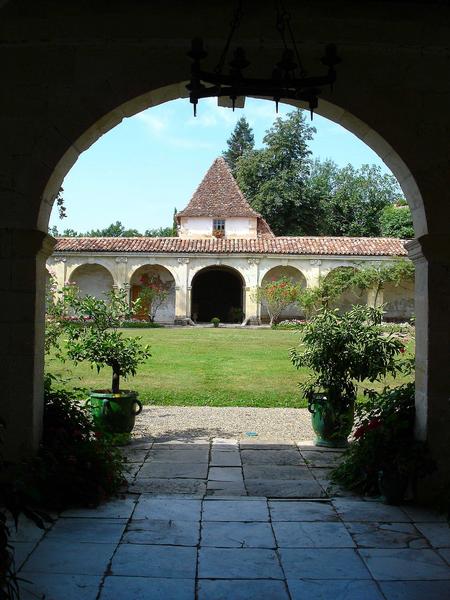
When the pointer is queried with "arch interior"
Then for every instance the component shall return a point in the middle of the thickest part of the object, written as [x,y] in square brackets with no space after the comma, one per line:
[217,292]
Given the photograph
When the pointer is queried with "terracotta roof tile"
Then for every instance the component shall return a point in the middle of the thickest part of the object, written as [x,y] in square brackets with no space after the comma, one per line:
[218,196]
[266,245]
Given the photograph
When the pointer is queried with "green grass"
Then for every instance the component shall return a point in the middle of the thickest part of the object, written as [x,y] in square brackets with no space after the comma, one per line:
[207,367]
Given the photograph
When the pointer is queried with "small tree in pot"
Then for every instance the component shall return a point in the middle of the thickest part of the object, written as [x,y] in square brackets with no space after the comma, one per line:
[92,326]
[342,350]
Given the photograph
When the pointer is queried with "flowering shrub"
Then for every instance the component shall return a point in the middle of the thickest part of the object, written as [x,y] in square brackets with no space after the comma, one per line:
[383,441]
[153,294]
[277,295]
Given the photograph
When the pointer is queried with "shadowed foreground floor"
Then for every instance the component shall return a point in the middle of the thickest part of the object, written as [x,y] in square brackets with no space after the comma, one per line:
[227,520]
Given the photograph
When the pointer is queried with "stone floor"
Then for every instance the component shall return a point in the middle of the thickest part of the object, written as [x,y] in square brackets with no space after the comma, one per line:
[229,520]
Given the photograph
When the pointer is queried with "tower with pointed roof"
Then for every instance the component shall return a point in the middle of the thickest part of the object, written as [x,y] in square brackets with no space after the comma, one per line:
[219,209]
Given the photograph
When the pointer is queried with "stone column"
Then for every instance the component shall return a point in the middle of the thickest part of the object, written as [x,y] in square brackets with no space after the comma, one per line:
[431,255]
[252,307]
[121,272]
[182,300]
[23,254]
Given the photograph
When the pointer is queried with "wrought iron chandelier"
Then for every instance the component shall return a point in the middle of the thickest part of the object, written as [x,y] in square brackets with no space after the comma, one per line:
[287,82]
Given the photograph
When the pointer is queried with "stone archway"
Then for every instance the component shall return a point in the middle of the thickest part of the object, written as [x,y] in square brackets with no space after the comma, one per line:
[92,279]
[293,311]
[217,291]
[63,108]
[165,311]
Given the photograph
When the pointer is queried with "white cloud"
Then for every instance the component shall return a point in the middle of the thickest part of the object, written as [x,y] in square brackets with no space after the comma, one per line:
[156,123]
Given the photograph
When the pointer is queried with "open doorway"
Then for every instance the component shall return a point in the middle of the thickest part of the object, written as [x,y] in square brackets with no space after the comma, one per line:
[217,292]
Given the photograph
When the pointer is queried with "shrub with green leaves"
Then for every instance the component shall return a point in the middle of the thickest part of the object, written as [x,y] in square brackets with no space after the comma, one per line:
[344,349]
[92,324]
[76,465]
[383,441]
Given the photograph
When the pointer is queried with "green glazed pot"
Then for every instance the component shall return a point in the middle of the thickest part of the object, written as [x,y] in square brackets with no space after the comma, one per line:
[332,420]
[115,413]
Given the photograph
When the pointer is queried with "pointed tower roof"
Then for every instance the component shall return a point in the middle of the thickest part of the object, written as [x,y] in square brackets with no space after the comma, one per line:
[218,196]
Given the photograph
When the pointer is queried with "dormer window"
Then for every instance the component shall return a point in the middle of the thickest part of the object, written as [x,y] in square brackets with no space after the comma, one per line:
[219,225]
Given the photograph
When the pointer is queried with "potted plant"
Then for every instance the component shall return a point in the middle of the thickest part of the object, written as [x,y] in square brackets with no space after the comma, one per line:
[215,321]
[93,336]
[342,350]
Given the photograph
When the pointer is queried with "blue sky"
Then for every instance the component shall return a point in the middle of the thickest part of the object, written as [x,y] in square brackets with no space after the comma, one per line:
[152,162]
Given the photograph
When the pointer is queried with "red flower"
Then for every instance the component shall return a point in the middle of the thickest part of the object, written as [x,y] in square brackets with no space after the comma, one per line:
[402,349]
[372,424]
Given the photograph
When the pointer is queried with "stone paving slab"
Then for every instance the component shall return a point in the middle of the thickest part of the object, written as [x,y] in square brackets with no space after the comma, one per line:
[168,508]
[146,485]
[225,474]
[292,510]
[173,470]
[277,472]
[225,458]
[74,558]
[410,564]
[120,508]
[362,510]
[438,534]
[238,563]
[171,562]
[54,586]
[226,488]
[386,535]
[284,488]
[323,563]
[272,457]
[88,530]
[312,535]
[237,535]
[334,589]
[235,510]
[416,590]
[242,589]
[147,588]
[173,533]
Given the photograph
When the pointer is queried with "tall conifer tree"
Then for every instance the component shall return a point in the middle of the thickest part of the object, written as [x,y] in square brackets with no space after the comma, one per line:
[240,142]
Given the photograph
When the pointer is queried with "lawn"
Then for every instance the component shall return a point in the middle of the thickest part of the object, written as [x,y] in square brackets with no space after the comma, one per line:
[208,367]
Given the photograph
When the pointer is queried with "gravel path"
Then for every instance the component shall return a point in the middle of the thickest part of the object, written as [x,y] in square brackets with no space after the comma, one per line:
[189,422]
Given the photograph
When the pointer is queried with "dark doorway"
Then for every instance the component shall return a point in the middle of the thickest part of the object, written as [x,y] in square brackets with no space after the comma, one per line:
[217,292]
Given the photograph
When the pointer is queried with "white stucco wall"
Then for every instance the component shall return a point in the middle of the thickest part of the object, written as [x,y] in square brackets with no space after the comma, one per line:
[202,227]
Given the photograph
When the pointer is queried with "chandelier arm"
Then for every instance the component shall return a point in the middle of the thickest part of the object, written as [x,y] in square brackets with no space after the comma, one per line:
[234,23]
[226,80]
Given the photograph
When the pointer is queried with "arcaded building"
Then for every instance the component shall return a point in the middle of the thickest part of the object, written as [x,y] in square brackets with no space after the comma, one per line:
[223,252]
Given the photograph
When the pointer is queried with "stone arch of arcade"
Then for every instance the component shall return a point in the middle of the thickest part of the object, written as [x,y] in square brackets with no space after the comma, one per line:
[218,291]
[93,279]
[138,278]
[47,123]
[293,311]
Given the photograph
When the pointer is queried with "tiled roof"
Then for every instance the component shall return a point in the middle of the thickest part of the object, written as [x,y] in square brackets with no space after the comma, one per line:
[218,196]
[267,245]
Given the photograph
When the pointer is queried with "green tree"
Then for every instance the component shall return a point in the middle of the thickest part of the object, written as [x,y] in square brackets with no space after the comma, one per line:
[396,221]
[274,178]
[160,232]
[114,230]
[352,200]
[241,141]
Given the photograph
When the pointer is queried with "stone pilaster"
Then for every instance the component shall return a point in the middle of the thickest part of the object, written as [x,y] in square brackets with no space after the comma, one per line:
[431,255]
[23,254]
